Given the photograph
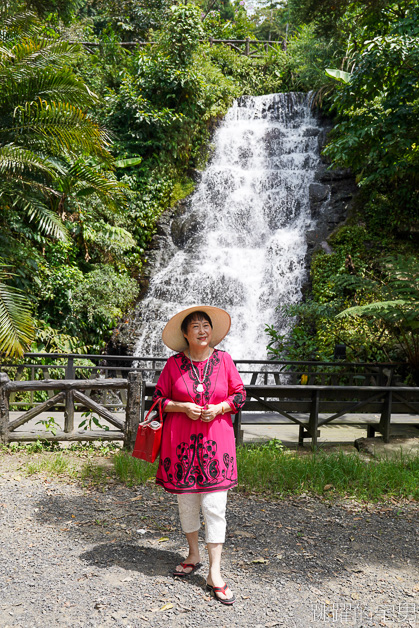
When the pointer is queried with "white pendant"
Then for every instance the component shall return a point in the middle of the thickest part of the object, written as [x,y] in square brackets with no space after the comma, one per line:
[200,388]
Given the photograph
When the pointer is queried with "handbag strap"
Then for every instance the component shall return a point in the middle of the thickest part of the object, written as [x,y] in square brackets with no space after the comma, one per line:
[149,420]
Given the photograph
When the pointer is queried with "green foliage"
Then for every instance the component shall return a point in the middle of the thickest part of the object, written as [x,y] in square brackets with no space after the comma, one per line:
[272,20]
[54,10]
[180,37]
[361,297]
[129,20]
[57,184]
[90,420]
[16,326]
[49,424]
[87,304]
[378,118]
[339,75]
[399,313]
[306,57]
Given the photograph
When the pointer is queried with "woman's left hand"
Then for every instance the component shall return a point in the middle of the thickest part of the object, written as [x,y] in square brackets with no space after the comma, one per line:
[210,412]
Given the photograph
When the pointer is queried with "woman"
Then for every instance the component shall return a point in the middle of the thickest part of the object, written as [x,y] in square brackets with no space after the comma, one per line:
[200,388]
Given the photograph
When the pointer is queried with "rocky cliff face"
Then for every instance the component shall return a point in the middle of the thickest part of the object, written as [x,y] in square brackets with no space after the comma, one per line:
[331,198]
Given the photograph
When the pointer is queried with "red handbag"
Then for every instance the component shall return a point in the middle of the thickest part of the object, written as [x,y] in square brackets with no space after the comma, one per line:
[148,441]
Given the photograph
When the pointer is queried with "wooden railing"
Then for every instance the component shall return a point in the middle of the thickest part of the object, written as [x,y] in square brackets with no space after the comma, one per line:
[310,407]
[248,47]
[72,394]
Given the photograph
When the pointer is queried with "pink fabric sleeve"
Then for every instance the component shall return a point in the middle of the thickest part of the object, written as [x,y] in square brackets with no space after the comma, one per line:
[164,386]
[236,391]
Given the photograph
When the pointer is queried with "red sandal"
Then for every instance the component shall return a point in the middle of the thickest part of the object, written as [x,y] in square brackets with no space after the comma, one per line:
[223,589]
[184,574]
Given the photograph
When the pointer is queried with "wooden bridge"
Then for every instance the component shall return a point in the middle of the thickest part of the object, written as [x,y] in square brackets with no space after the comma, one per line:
[119,389]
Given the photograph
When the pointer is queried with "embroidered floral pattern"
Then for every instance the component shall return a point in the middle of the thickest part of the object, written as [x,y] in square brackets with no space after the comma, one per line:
[238,400]
[197,466]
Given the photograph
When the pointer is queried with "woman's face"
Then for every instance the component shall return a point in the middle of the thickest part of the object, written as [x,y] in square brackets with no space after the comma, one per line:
[199,334]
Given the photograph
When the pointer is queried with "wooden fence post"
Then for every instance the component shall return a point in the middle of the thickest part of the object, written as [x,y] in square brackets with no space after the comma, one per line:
[69,412]
[4,409]
[385,419]
[312,430]
[69,369]
[133,408]
[247,53]
[238,432]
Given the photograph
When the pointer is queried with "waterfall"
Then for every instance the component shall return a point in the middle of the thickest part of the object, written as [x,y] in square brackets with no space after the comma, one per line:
[241,244]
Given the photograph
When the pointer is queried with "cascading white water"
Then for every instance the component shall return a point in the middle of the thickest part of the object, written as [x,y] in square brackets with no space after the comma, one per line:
[250,213]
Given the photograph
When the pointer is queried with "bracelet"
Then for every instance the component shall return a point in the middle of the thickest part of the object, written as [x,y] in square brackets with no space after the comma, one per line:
[222,408]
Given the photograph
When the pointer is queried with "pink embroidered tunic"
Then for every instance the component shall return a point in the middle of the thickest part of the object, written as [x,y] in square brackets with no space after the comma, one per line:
[197,456]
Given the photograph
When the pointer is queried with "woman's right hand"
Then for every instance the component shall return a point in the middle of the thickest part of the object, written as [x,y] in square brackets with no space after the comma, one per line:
[192,410]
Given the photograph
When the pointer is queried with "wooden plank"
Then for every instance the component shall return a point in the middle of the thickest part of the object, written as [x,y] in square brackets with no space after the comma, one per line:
[68,384]
[100,410]
[405,402]
[270,406]
[33,412]
[355,407]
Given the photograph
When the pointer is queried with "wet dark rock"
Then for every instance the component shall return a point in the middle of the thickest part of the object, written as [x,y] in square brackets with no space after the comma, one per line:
[332,195]
[318,192]
[183,228]
[311,131]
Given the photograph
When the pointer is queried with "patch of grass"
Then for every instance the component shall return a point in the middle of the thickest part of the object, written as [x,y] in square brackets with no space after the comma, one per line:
[55,464]
[132,471]
[269,470]
[37,446]
[83,449]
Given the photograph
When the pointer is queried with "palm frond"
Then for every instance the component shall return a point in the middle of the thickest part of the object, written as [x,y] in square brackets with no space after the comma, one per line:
[390,311]
[43,53]
[109,236]
[88,180]
[16,325]
[15,20]
[29,84]
[15,159]
[46,220]
[5,54]
[56,128]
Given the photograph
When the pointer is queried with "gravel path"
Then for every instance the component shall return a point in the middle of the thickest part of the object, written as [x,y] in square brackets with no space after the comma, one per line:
[73,556]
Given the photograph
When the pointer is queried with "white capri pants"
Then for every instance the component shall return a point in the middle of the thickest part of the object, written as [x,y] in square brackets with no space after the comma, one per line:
[213,508]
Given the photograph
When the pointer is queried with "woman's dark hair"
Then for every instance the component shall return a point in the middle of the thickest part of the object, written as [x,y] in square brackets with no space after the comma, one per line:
[194,316]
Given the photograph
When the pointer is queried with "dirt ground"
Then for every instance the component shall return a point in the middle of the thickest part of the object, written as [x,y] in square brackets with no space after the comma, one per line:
[79,556]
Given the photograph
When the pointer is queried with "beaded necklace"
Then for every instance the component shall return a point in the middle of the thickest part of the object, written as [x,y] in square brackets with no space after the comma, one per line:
[200,387]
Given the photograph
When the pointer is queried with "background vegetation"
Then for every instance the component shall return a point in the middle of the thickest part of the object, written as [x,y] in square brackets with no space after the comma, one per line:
[96,141]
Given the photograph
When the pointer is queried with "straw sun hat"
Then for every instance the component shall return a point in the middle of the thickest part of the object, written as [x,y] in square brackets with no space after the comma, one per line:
[173,336]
